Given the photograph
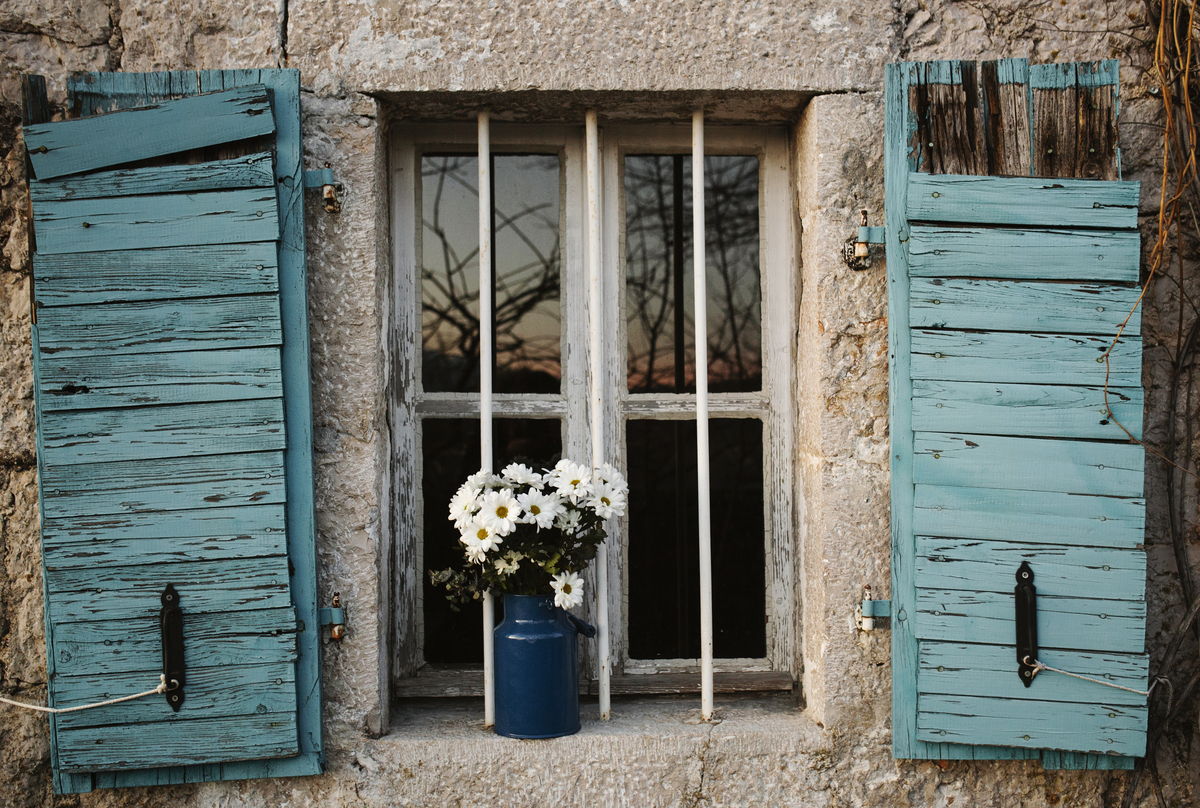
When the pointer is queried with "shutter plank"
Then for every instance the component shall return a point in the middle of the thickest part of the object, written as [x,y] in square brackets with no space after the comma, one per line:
[164,274]
[254,736]
[990,461]
[185,430]
[168,536]
[1025,358]
[170,127]
[161,326]
[1032,410]
[1065,308]
[176,484]
[228,690]
[1109,255]
[214,639]
[1082,624]
[991,671]
[1024,201]
[1102,727]
[1038,517]
[990,566]
[142,222]
[132,380]
[112,593]
[251,171]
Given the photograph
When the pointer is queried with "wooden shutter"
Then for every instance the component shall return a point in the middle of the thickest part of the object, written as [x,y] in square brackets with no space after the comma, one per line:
[174,425]
[1004,295]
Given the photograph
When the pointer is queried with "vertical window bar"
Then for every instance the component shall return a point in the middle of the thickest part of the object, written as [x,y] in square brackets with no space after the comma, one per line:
[595,372]
[486,363]
[702,492]
[682,585]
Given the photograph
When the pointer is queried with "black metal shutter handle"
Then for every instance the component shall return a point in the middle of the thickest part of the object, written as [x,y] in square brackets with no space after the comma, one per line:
[171,622]
[1025,597]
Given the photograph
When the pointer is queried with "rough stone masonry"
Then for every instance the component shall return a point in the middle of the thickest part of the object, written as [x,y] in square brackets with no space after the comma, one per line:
[365,64]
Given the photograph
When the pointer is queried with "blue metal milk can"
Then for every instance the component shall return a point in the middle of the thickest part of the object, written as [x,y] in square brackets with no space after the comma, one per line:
[537,668]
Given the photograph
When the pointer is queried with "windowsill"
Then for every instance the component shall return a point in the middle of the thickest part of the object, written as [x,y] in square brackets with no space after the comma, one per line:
[776,717]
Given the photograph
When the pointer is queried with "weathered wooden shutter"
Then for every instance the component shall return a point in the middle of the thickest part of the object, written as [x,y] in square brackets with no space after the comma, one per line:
[1005,293]
[174,425]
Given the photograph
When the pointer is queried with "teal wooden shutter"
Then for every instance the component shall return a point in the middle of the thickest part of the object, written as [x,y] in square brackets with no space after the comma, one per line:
[1004,295]
[174,426]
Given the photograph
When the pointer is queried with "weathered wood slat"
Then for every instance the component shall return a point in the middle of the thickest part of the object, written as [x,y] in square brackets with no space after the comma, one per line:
[1065,308]
[175,484]
[210,693]
[1004,89]
[1025,358]
[949,121]
[1082,624]
[252,171]
[167,326]
[1039,517]
[100,93]
[1059,759]
[85,144]
[113,593]
[1026,254]
[1101,727]
[1033,410]
[168,536]
[130,380]
[1096,155]
[183,430]
[974,565]
[1054,118]
[164,274]
[163,744]
[971,669]
[1030,464]
[1022,201]
[97,649]
[144,222]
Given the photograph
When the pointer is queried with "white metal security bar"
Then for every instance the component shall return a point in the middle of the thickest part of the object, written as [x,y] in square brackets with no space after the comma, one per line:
[485,390]
[596,402]
[702,492]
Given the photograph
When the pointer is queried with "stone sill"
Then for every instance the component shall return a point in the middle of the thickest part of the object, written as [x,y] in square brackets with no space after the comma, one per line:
[776,718]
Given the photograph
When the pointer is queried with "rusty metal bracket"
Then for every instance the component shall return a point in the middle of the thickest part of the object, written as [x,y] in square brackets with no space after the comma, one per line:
[335,617]
[323,178]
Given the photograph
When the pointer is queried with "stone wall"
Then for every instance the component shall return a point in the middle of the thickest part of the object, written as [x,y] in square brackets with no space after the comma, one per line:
[361,63]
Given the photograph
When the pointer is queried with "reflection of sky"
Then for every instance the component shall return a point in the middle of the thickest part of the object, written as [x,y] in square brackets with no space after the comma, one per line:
[732,273]
[527,263]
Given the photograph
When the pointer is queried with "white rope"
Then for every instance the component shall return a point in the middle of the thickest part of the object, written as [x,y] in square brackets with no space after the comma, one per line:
[162,688]
[1039,666]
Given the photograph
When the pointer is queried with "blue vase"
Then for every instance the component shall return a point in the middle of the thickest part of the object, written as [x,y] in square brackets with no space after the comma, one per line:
[537,668]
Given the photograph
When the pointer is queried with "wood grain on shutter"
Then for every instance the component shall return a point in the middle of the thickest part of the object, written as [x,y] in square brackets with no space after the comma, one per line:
[1005,294]
[165,438]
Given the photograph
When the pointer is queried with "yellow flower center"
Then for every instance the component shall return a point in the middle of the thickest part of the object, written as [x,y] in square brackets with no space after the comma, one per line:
[502,512]
[574,483]
[566,589]
[535,510]
[605,500]
[482,533]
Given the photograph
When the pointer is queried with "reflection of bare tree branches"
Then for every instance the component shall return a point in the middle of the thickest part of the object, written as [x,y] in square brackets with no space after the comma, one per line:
[450,305]
[732,262]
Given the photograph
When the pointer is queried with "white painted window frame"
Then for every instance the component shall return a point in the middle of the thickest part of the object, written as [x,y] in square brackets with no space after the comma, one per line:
[410,406]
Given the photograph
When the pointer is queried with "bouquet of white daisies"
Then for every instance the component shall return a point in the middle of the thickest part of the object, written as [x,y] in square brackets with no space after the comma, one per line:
[525,532]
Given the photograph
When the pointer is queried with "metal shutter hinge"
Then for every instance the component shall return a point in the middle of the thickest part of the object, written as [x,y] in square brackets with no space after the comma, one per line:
[856,252]
[323,178]
[866,612]
[334,617]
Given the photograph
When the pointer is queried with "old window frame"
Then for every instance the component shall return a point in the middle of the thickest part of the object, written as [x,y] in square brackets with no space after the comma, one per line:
[408,406]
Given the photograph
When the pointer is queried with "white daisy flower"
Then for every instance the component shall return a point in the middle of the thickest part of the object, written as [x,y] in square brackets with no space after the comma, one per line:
[567,522]
[479,538]
[571,480]
[519,474]
[509,564]
[607,501]
[568,590]
[540,509]
[463,506]
[608,474]
[499,511]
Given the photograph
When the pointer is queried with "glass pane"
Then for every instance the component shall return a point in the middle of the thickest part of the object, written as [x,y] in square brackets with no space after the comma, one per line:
[450,448]
[658,273]
[664,556]
[526,195]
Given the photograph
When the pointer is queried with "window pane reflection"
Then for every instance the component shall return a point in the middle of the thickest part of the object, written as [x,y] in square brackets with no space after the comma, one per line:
[664,556]
[526,195]
[450,448]
[658,273]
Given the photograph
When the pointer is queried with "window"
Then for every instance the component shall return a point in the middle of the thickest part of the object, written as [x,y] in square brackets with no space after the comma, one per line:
[542,365]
